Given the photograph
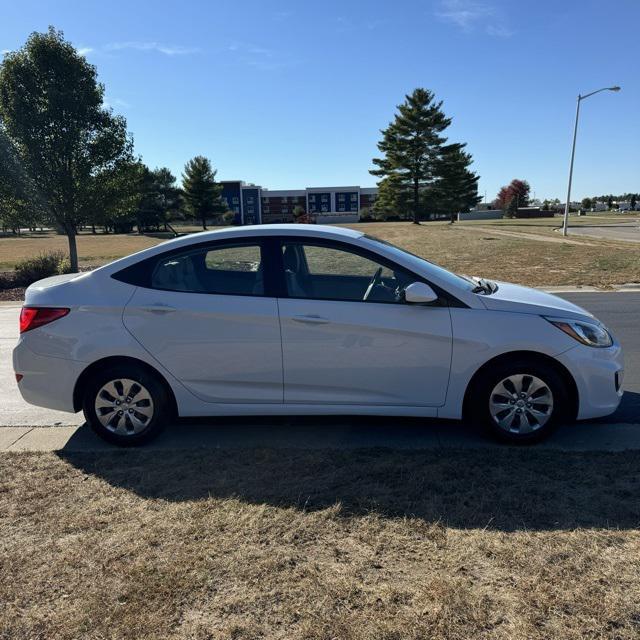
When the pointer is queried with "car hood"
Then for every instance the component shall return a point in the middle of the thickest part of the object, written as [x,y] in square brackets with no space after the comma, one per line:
[518,299]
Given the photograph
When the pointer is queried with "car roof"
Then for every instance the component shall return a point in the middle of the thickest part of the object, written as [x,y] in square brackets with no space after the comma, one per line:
[258,230]
[321,230]
[278,229]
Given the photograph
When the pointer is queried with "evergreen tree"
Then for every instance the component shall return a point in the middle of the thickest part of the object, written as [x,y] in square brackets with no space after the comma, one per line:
[161,199]
[634,201]
[393,199]
[457,187]
[201,191]
[512,207]
[51,109]
[411,146]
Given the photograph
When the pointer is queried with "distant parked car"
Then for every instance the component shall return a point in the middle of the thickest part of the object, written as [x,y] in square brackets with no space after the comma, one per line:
[307,319]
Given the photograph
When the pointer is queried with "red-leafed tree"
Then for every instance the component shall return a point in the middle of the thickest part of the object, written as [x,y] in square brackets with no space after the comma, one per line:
[502,199]
[517,190]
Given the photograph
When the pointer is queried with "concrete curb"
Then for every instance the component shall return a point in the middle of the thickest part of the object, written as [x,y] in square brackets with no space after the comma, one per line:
[631,287]
[187,437]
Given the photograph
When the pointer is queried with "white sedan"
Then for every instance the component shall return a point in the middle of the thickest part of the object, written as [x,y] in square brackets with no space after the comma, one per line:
[306,319]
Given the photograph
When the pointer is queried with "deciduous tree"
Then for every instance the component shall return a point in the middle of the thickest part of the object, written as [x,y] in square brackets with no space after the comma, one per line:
[51,107]
[518,189]
[587,204]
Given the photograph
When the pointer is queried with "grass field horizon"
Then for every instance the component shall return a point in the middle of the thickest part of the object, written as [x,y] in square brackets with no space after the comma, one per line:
[526,251]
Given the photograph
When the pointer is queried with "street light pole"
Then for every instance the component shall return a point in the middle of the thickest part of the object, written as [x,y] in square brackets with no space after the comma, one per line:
[565,222]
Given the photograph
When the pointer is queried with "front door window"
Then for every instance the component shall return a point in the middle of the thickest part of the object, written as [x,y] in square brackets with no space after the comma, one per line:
[324,272]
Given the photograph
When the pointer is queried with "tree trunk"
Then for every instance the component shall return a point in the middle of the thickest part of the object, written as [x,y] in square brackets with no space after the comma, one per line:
[93,229]
[204,223]
[416,202]
[73,251]
[453,217]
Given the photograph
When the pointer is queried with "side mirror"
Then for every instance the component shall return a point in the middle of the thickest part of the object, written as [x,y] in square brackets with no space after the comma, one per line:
[419,293]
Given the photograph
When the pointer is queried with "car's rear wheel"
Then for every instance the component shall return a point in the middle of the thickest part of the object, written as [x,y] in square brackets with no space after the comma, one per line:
[126,405]
[520,401]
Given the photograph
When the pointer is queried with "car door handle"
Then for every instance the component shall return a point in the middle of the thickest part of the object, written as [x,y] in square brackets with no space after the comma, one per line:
[158,308]
[311,319]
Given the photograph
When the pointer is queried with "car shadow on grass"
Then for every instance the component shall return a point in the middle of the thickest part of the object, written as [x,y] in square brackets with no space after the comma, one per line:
[500,488]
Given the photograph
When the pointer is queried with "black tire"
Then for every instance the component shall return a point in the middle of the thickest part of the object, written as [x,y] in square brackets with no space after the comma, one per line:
[128,434]
[483,395]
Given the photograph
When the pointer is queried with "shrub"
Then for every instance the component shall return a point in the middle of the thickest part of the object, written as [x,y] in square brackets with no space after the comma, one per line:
[42,266]
[64,265]
[228,217]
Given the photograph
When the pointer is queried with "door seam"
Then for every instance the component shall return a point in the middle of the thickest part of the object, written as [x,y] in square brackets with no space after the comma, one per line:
[281,346]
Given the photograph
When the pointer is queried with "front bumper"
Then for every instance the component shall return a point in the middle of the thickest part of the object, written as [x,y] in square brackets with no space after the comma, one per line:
[598,374]
[47,381]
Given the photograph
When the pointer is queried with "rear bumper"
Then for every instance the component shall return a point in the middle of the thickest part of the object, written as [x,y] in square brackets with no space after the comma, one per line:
[47,382]
[598,375]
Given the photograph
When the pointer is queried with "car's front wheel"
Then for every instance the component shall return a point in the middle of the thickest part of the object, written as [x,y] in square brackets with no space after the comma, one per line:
[126,405]
[520,401]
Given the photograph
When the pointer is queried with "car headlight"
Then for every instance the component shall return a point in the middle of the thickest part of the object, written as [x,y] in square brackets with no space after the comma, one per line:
[589,333]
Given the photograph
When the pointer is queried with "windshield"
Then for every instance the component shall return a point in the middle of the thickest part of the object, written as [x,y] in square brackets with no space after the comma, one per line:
[442,273]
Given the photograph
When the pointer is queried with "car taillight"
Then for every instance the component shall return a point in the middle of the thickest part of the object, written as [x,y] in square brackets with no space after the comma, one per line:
[32,317]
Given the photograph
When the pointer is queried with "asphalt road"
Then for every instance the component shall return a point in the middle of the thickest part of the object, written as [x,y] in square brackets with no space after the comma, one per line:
[629,231]
[619,310]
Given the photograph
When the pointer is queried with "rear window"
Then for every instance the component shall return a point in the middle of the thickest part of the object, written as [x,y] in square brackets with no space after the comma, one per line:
[225,270]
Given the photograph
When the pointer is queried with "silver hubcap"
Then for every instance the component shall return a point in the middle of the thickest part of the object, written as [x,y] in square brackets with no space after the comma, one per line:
[124,407]
[521,403]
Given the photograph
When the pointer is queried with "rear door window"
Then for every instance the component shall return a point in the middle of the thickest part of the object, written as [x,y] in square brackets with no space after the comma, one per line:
[223,270]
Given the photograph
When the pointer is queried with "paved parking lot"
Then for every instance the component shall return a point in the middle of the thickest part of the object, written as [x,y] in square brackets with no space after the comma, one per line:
[25,427]
[629,231]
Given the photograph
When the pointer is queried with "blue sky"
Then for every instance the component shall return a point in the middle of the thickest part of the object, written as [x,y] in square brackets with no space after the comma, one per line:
[293,94]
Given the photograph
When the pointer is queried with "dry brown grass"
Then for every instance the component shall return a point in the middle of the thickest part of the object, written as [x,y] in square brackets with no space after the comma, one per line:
[319,545]
[92,249]
[525,251]
[518,257]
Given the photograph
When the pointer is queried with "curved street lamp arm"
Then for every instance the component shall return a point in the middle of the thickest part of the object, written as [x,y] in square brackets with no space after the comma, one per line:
[598,91]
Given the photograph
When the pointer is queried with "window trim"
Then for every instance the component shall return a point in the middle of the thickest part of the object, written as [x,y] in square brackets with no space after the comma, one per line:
[445,299]
[273,268]
[140,273]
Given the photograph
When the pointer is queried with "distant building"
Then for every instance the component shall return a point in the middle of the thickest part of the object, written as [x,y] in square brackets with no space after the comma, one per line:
[243,199]
[534,212]
[252,204]
[481,214]
[575,206]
